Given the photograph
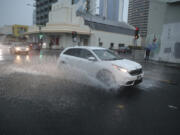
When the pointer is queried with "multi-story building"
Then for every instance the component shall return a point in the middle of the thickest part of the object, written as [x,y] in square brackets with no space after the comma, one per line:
[138,15]
[42,11]
[112,9]
[34,17]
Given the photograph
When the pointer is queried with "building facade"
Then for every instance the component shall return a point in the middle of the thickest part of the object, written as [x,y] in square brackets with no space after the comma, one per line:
[34,17]
[138,15]
[43,7]
[163,36]
[112,9]
[91,30]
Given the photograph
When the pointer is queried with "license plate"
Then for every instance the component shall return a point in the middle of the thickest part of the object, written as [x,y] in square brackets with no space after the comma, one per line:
[139,77]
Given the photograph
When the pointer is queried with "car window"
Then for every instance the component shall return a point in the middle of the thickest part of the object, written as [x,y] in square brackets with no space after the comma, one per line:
[73,52]
[86,54]
[106,55]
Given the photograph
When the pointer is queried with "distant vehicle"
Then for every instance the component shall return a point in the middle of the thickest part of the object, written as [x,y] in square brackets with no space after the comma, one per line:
[19,48]
[124,49]
[103,64]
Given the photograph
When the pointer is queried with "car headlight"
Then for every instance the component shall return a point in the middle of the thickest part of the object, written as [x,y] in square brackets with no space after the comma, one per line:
[17,48]
[120,68]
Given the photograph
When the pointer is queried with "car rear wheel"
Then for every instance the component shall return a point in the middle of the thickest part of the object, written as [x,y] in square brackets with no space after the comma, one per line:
[106,77]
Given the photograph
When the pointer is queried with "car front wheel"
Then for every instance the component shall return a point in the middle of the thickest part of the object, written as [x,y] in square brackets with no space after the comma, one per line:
[106,77]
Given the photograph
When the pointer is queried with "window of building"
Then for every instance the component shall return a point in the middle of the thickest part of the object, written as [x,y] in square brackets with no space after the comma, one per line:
[85,42]
[177,50]
[121,45]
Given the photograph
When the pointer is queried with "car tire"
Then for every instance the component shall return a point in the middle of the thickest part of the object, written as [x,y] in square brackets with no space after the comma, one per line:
[106,77]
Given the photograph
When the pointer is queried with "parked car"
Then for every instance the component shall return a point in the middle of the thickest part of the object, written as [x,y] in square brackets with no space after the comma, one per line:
[124,49]
[103,64]
[19,48]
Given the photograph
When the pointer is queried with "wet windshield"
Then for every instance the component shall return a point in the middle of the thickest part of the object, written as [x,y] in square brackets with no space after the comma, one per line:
[106,55]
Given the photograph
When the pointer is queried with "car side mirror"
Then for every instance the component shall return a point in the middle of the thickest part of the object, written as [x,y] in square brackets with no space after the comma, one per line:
[92,59]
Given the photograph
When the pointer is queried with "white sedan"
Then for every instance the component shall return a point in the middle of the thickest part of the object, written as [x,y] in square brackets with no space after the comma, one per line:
[103,64]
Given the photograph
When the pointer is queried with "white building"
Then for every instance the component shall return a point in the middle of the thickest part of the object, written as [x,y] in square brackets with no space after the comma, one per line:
[34,17]
[91,30]
[164,27]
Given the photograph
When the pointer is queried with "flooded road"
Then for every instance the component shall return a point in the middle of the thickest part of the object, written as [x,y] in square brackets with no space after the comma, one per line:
[37,98]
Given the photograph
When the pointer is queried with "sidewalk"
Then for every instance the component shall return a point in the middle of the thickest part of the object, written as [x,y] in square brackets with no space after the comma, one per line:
[142,61]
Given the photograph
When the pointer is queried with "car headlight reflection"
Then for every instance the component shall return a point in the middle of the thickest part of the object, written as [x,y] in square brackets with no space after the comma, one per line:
[120,68]
[17,48]
[18,58]
[27,58]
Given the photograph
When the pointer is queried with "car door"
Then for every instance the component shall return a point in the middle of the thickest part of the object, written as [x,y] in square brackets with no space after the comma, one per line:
[70,57]
[89,66]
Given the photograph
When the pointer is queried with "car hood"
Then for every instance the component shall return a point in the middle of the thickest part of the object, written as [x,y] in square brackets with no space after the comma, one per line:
[127,64]
[22,47]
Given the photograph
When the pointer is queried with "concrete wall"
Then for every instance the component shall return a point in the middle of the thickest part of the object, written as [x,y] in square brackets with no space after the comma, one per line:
[172,13]
[164,26]
[65,13]
[156,17]
[107,38]
[170,41]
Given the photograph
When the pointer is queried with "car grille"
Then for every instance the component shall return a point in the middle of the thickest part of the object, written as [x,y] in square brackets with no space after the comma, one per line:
[136,72]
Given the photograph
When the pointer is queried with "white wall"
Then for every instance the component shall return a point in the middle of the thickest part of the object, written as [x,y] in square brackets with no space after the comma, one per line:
[170,36]
[107,38]
[65,13]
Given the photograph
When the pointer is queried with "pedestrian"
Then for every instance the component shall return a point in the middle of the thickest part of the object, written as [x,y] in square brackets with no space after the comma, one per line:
[147,54]
[111,46]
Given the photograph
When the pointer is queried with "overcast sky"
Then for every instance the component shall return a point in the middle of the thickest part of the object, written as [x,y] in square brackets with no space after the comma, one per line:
[17,12]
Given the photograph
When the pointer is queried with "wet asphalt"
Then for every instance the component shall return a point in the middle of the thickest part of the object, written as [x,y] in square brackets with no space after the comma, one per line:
[38,99]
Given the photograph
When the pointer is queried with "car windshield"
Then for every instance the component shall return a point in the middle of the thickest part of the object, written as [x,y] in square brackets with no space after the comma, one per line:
[106,55]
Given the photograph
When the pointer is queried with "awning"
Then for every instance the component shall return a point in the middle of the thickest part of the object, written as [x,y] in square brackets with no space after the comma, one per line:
[60,28]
